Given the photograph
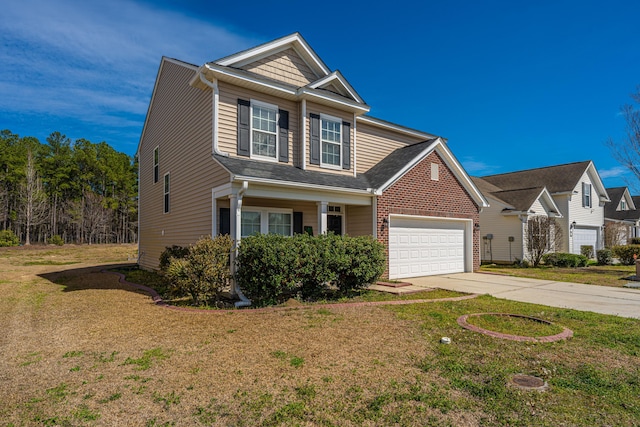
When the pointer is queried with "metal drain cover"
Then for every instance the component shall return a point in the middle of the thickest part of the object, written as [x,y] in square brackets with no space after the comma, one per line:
[529,382]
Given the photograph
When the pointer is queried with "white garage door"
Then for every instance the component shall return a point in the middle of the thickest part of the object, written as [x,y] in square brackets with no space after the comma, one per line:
[584,236]
[423,247]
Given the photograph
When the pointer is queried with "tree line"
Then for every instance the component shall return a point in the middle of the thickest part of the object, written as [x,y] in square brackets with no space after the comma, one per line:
[67,191]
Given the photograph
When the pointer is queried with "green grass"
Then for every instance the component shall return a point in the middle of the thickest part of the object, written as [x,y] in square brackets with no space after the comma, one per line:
[514,325]
[603,275]
[148,357]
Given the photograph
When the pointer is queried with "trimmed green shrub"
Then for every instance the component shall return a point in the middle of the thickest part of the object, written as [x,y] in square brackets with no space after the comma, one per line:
[204,272]
[273,268]
[586,250]
[604,256]
[55,240]
[8,238]
[634,241]
[174,251]
[626,253]
[560,259]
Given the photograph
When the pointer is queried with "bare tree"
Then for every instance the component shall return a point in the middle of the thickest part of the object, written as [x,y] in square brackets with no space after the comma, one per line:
[33,199]
[627,151]
[615,233]
[542,235]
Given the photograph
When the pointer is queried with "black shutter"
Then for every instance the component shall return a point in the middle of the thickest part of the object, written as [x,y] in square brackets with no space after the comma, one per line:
[244,126]
[346,145]
[297,223]
[283,137]
[314,143]
[225,221]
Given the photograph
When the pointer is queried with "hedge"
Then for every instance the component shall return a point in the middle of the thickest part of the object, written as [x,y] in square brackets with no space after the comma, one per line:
[625,253]
[605,256]
[560,259]
[273,268]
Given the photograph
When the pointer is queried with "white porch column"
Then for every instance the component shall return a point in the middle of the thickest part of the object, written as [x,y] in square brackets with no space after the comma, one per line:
[235,201]
[322,217]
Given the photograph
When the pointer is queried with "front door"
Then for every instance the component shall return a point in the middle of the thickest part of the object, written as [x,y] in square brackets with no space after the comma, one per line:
[334,224]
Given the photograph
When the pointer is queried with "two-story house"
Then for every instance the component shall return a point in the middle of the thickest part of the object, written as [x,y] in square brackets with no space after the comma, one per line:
[270,140]
[571,193]
[621,217]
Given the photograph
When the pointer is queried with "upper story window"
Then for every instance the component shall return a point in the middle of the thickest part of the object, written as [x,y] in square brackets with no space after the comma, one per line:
[166,193]
[264,130]
[156,169]
[331,141]
[586,195]
[623,205]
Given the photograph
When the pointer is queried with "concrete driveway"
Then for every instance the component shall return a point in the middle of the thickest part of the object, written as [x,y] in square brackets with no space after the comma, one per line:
[623,302]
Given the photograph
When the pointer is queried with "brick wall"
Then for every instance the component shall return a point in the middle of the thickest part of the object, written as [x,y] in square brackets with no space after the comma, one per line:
[416,194]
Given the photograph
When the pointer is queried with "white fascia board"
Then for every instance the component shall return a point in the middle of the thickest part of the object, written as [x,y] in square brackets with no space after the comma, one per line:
[228,72]
[595,179]
[460,173]
[337,76]
[306,92]
[547,196]
[294,41]
[407,167]
[299,194]
[397,128]
[279,183]
[627,196]
[153,93]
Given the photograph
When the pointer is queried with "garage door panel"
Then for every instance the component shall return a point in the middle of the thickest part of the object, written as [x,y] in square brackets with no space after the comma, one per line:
[425,247]
[584,237]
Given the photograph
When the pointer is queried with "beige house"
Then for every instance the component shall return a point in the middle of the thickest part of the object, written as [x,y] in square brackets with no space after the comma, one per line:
[572,193]
[270,140]
[621,217]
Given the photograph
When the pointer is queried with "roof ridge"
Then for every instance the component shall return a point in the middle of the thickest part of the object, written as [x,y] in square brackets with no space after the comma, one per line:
[534,169]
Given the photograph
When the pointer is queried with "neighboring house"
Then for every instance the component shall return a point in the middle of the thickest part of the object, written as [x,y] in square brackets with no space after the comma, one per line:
[621,217]
[572,193]
[270,140]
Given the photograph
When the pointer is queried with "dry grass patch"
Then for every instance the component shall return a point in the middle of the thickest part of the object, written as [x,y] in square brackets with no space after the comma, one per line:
[94,352]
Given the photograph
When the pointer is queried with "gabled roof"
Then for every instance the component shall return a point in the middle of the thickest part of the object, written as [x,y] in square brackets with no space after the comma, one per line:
[616,194]
[337,80]
[295,41]
[518,200]
[374,181]
[557,179]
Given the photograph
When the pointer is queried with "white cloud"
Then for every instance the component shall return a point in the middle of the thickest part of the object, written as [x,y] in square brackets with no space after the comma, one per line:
[96,62]
[614,172]
[475,167]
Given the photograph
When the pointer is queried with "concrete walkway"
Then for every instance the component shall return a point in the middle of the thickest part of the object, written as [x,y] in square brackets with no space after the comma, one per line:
[623,302]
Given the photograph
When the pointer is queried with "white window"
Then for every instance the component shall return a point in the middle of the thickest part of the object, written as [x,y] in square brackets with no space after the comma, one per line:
[264,127]
[435,172]
[166,193]
[331,141]
[586,195]
[266,220]
[623,205]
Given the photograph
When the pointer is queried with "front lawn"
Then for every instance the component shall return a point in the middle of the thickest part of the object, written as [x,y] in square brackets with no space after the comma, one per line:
[80,349]
[603,275]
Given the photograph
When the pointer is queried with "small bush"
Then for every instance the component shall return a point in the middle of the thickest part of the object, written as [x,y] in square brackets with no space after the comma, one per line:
[604,256]
[362,262]
[634,241]
[55,240]
[204,273]
[174,251]
[560,259]
[586,250]
[627,254]
[8,238]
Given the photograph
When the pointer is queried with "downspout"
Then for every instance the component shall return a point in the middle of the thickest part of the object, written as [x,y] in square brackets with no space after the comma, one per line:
[244,301]
[215,99]
[304,134]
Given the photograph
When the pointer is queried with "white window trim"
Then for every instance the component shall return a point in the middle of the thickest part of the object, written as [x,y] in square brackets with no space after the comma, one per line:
[156,164]
[586,195]
[277,133]
[166,193]
[264,217]
[333,119]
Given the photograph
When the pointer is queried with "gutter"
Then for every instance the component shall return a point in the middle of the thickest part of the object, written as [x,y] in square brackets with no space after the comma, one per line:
[215,99]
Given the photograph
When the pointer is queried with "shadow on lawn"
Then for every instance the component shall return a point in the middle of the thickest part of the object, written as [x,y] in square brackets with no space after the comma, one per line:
[85,278]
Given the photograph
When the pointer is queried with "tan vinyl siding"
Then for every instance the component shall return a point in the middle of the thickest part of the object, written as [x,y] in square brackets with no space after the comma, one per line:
[228,117]
[359,220]
[285,66]
[375,143]
[346,117]
[179,124]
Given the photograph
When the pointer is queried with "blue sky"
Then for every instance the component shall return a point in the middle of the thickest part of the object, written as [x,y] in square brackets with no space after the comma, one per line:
[512,85]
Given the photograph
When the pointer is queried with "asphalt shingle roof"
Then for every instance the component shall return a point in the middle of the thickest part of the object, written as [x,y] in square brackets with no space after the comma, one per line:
[557,179]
